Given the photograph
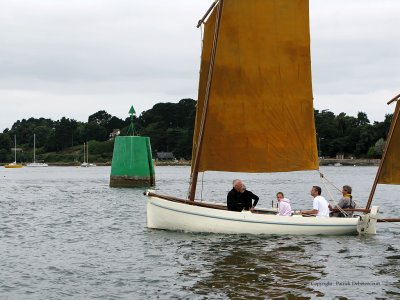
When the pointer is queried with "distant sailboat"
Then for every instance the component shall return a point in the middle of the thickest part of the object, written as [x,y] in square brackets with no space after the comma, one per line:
[85,163]
[14,164]
[35,163]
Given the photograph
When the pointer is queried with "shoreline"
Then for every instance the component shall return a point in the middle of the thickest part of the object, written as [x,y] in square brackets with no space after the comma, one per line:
[322,162]
[349,162]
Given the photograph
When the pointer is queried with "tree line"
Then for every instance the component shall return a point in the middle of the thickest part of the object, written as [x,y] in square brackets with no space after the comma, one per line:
[56,136]
[170,128]
[350,136]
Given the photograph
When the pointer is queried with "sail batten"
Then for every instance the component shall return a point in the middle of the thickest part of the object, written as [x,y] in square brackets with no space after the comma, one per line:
[260,115]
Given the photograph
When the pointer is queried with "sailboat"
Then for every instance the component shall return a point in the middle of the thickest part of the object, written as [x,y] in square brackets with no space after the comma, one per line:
[255,115]
[35,163]
[86,163]
[14,165]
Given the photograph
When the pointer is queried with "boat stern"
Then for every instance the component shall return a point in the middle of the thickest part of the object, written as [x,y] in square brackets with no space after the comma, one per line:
[367,222]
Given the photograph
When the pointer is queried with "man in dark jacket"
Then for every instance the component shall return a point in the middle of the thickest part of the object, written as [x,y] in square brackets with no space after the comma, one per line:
[239,198]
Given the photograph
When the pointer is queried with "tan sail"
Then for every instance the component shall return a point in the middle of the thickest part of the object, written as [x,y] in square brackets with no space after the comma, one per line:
[260,114]
[390,169]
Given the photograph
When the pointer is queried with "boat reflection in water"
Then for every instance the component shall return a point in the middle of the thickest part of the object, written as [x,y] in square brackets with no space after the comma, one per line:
[259,268]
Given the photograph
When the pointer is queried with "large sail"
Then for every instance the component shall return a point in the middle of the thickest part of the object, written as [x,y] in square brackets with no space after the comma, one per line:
[260,114]
[390,169]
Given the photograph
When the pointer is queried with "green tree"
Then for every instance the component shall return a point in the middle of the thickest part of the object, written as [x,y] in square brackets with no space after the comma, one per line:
[363,140]
[325,125]
[362,119]
[343,134]
[25,129]
[64,131]
[43,134]
[94,131]
[169,126]
[379,147]
[116,123]
[101,117]
[381,129]
[5,147]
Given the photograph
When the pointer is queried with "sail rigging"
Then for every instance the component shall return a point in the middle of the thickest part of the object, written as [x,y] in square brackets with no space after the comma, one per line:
[255,105]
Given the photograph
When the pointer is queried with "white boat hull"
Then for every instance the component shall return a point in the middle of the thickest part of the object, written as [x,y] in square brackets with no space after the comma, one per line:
[87,165]
[37,165]
[170,215]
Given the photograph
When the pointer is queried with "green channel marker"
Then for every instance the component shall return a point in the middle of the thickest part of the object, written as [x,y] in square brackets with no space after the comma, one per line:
[132,163]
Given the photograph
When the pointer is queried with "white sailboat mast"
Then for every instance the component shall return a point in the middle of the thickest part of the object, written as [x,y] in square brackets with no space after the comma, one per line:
[15,148]
[34,147]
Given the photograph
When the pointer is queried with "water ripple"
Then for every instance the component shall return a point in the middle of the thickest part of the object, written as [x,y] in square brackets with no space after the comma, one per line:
[65,234]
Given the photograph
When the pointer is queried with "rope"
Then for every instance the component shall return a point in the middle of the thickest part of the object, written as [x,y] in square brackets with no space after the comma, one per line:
[322,178]
[331,183]
[202,185]
[201,40]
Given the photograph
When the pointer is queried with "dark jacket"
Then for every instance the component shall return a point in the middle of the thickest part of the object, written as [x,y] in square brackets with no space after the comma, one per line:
[237,201]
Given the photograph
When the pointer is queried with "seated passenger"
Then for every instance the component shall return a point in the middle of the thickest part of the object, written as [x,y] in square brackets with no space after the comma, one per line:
[239,198]
[320,205]
[345,202]
[284,208]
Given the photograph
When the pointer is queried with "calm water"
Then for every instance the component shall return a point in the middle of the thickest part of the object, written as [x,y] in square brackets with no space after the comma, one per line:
[65,234]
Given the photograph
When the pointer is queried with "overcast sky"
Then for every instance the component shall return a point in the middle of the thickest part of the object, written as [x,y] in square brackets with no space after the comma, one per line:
[73,58]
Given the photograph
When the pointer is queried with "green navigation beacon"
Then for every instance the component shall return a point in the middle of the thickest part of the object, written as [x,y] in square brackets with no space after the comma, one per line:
[131,129]
[132,162]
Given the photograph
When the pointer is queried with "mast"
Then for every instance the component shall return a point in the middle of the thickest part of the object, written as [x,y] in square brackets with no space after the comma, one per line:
[394,121]
[15,148]
[34,147]
[195,171]
[201,21]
